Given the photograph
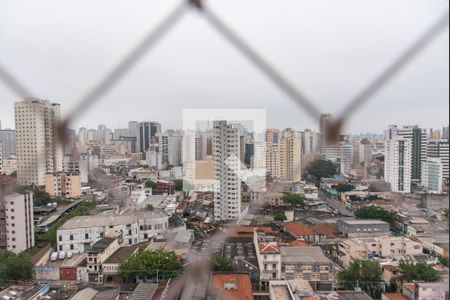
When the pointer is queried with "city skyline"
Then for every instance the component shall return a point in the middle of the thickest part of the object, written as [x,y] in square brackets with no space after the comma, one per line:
[310,56]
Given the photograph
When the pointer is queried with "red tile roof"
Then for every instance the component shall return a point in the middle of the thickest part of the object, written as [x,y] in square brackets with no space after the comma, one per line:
[299,229]
[266,248]
[395,296]
[242,283]
[328,230]
[248,230]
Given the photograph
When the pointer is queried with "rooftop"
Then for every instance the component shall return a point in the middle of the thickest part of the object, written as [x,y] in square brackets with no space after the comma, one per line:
[364,222]
[121,254]
[328,230]
[294,254]
[100,245]
[299,229]
[352,295]
[233,286]
[144,291]
[107,220]
[267,248]
[395,296]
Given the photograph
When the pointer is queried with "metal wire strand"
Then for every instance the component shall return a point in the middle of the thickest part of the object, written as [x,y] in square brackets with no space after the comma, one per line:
[111,78]
[260,62]
[402,61]
[15,85]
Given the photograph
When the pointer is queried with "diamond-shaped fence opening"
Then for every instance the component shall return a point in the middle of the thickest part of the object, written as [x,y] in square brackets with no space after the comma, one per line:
[197,267]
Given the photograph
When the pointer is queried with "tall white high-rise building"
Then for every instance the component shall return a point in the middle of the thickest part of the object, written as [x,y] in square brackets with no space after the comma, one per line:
[418,138]
[397,163]
[226,156]
[38,151]
[19,222]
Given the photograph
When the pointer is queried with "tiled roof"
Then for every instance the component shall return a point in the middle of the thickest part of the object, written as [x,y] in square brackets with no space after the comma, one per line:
[328,230]
[353,295]
[395,296]
[268,248]
[242,286]
[299,229]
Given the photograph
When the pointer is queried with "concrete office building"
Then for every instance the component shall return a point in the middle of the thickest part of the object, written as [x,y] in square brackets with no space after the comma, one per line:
[8,141]
[227,190]
[397,164]
[38,151]
[439,149]
[432,178]
[362,228]
[19,222]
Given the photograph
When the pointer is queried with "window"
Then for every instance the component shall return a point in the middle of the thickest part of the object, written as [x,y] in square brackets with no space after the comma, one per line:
[86,235]
[71,237]
[60,238]
[71,247]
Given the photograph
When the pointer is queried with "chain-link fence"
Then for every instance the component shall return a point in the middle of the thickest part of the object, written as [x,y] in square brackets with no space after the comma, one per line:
[198,269]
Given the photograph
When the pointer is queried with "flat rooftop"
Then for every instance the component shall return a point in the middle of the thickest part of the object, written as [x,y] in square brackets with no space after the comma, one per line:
[73,262]
[281,292]
[293,254]
[100,245]
[364,222]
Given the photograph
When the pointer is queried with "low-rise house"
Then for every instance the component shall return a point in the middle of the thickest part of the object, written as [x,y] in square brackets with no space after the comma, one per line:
[110,267]
[301,231]
[426,290]
[97,254]
[164,187]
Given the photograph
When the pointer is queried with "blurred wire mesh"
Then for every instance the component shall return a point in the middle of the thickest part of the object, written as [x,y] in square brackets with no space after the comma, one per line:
[198,266]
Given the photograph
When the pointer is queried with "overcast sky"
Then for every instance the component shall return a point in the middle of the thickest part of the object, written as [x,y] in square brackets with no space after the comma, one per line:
[328,49]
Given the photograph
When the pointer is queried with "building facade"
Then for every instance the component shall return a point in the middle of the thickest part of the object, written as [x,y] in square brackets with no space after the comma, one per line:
[397,164]
[80,232]
[37,149]
[61,184]
[227,189]
[19,222]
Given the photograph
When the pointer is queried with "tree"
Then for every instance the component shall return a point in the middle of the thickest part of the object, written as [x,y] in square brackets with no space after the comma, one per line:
[178,184]
[343,187]
[293,199]
[15,266]
[149,184]
[280,216]
[221,264]
[149,207]
[159,264]
[363,273]
[419,271]
[375,212]
[443,260]
[40,197]
[321,169]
